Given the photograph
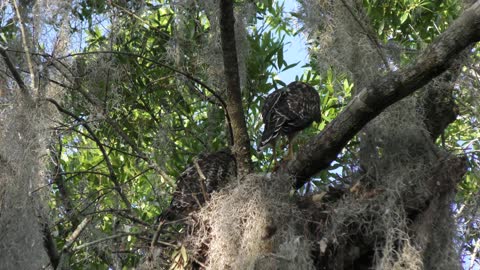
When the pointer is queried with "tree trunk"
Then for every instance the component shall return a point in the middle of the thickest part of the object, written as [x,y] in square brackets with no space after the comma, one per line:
[23,217]
[241,141]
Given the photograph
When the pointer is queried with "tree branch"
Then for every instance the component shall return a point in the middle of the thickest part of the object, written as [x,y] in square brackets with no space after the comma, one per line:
[241,141]
[122,234]
[321,150]
[14,71]
[25,44]
[71,240]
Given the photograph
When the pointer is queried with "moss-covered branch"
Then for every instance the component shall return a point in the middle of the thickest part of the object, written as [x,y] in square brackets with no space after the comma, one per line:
[320,151]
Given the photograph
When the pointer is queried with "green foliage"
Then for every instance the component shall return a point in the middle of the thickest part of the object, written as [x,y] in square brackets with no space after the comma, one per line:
[414,23]
[133,99]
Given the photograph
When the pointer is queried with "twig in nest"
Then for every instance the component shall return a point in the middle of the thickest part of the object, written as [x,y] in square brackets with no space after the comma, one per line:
[156,235]
[201,264]
[202,179]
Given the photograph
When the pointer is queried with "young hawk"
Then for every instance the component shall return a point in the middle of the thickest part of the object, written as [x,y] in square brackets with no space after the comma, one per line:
[287,111]
[207,173]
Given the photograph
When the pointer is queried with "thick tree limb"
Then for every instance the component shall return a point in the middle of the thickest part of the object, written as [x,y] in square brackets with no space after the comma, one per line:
[241,141]
[320,151]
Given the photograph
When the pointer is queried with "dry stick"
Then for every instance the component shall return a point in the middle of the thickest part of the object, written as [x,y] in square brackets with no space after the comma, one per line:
[49,242]
[199,263]
[71,240]
[202,179]
[122,234]
[474,254]
[156,235]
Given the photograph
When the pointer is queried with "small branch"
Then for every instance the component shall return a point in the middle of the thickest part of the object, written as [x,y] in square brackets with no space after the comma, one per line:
[71,240]
[474,254]
[124,136]
[199,262]
[156,235]
[48,79]
[221,103]
[14,71]
[24,43]
[186,75]
[103,240]
[137,150]
[83,172]
[124,213]
[201,179]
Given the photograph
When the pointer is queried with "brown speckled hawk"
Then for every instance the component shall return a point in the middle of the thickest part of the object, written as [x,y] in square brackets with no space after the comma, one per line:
[287,111]
[207,173]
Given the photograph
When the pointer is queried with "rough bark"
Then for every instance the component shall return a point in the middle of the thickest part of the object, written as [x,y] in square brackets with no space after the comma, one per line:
[241,147]
[25,244]
[320,151]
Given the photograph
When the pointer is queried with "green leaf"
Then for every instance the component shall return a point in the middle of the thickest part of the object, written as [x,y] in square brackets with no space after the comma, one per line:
[404,17]
[184,254]
[280,57]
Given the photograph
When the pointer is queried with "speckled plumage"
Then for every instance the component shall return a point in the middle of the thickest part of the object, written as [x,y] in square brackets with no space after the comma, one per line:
[217,167]
[289,110]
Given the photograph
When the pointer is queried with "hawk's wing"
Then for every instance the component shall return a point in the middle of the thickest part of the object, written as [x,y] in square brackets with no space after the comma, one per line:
[289,110]
[271,117]
[301,107]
